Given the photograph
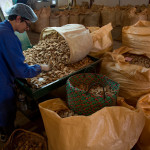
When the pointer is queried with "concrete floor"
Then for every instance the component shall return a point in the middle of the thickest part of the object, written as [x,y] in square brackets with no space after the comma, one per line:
[36,124]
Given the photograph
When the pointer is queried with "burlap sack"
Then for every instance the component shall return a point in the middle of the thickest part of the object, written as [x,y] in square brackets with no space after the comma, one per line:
[77,37]
[102,41]
[82,18]
[64,18]
[125,20]
[111,128]
[108,15]
[134,80]
[43,19]
[92,19]
[54,19]
[137,37]
[118,16]
[83,14]
[135,17]
[74,17]
[96,8]
[131,16]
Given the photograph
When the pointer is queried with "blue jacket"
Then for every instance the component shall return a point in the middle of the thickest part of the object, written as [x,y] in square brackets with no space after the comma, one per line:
[11,66]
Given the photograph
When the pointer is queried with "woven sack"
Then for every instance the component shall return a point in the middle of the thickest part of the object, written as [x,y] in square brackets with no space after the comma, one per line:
[102,41]
[78,38]
[25,140]
[85,103]
[111,128]
[134,79]
[144,140]
[43,19]
[137,36]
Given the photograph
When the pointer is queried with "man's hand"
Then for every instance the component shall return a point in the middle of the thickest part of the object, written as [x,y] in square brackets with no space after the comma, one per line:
[45,67]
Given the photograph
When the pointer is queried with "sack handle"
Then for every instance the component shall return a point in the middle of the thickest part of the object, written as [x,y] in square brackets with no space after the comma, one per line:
[92,84]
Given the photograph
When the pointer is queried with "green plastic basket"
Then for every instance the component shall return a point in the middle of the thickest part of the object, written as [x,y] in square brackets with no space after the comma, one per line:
[84,103]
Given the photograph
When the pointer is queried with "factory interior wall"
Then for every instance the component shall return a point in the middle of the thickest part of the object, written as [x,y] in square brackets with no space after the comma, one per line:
[108,2]
[79,2]
[134,2]
[62,2]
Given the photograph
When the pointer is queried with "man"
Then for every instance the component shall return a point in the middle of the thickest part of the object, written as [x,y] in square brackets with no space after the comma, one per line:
[12,63]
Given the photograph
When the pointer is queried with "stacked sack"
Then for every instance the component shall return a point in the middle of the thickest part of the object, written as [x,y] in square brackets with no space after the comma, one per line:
[133,77]
[96,15]
[102,40]
[137,36]
[43,15]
